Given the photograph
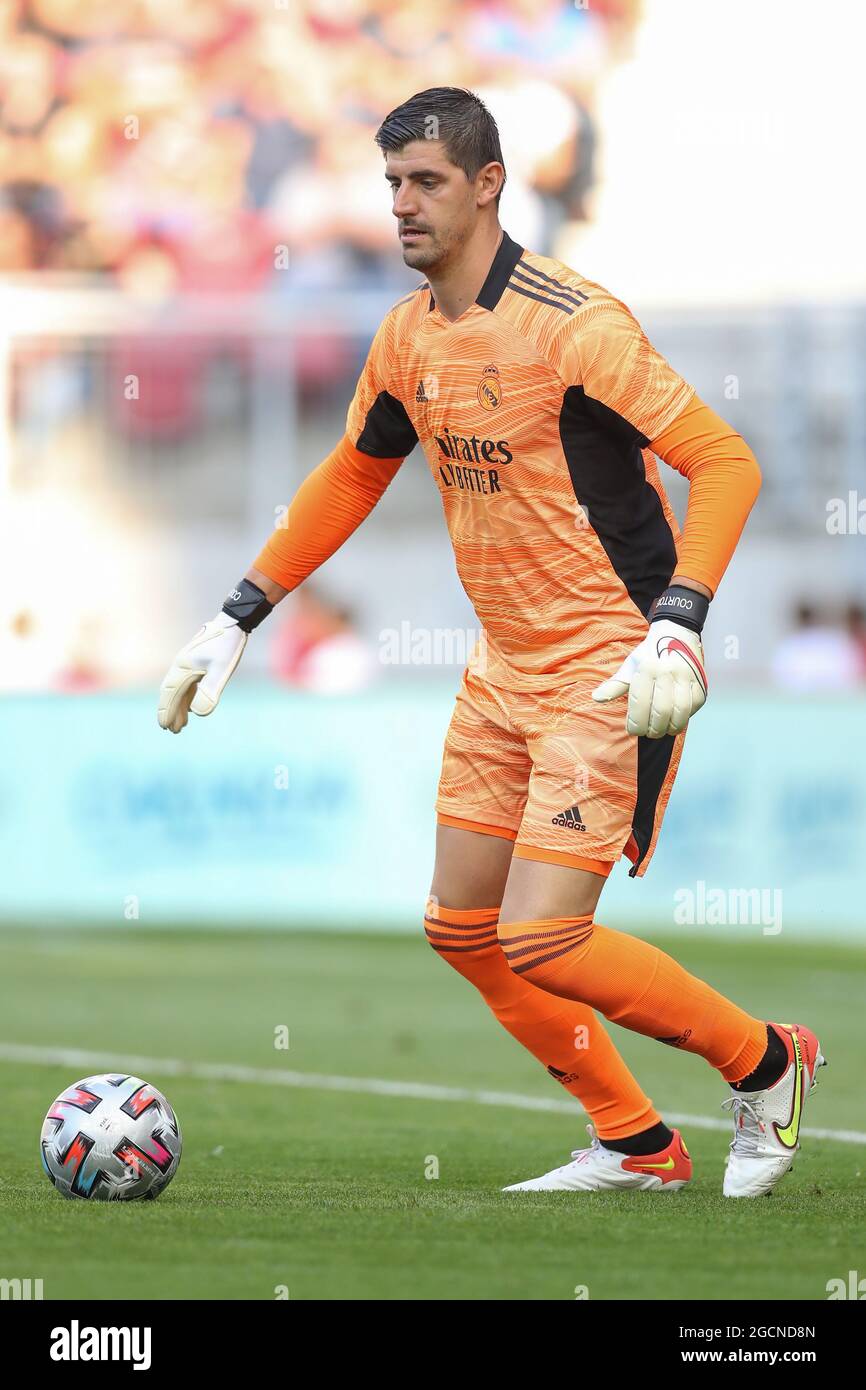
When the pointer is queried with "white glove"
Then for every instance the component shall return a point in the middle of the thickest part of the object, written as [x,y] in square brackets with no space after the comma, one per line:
[200,672]
[664,678]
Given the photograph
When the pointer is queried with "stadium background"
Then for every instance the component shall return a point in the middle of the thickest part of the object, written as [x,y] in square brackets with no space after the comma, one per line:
[195,249]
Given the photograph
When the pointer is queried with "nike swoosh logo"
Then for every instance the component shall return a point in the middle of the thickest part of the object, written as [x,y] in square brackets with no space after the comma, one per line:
[788,1135]
[668,1163]
[675,645]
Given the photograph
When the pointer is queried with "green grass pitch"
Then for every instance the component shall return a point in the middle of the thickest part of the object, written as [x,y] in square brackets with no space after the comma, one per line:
[324,1192]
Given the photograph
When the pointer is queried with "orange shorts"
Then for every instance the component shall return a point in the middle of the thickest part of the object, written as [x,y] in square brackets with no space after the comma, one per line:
[555,772]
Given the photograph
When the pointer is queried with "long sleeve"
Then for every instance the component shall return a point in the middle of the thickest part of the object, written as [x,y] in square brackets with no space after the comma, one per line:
[329,505]
[724,480]
[605,352]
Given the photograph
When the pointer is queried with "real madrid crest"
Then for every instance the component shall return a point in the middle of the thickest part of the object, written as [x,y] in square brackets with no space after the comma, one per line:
[489,388]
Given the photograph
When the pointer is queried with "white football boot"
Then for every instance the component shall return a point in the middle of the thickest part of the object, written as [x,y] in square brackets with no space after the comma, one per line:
[598,1169]
[767,1123]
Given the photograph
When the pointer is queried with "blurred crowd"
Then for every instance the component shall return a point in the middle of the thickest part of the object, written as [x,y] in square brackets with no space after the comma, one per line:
[179,147]
[824,650]
[317,645]
[176,142]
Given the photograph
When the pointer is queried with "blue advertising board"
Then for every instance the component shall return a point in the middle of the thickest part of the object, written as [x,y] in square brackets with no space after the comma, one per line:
[286,810]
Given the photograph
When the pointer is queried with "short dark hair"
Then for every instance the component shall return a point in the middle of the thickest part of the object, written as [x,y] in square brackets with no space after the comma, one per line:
[459,118]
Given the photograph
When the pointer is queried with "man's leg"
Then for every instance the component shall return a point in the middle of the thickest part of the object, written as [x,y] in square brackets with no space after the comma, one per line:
[471,872]
[550,939]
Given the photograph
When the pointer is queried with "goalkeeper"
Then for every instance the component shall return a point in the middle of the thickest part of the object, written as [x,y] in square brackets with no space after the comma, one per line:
[541,407]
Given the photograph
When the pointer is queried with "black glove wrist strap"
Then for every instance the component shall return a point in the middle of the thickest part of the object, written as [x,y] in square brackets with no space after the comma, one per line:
[247,604]
[681,605]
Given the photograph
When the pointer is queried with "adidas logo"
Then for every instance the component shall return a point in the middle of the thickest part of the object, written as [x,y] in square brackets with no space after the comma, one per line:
[566,1077]
[679,1041]
[570,819]
[421,394]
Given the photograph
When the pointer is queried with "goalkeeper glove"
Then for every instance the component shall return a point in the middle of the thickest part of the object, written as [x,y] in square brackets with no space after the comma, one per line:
[664,676]
[202,669]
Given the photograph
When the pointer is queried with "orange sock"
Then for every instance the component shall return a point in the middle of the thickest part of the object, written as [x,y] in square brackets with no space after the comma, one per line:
[570,1041]
[637,985]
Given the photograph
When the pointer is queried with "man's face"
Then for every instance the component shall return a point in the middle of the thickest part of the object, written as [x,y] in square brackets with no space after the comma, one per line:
[434,202]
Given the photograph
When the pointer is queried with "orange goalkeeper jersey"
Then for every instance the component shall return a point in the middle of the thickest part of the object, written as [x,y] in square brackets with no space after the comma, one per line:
[535,410]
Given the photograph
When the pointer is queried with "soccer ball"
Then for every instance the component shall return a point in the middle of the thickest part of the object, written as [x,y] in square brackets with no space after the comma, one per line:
[111,1138]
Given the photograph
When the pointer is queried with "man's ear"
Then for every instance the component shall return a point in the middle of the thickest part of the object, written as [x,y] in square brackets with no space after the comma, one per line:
[490,181]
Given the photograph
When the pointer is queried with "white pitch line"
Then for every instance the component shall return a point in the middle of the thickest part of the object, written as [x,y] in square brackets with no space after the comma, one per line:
[87,1062]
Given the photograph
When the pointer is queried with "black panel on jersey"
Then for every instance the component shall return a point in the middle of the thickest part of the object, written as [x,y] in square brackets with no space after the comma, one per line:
[499,274]
[653,760]
[388,432]
[503,263]
[602,451]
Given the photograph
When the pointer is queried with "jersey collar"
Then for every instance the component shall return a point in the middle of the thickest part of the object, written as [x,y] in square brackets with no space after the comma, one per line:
[506,258]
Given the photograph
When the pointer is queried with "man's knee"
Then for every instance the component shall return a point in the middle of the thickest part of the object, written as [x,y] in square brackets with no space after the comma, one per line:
[462,936]
[468,940]
[537,951]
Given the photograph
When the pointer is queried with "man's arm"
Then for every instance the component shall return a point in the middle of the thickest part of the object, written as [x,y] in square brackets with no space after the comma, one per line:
[329,505]
[664,676]
[724,482]
[608,354]
[272,591]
